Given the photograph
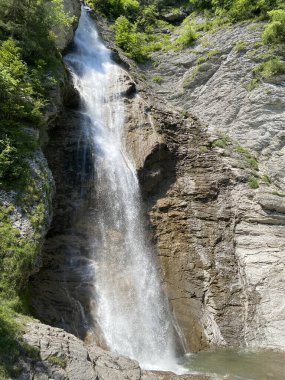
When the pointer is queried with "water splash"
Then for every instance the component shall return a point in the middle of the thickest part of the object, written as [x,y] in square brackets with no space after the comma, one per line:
[130,306]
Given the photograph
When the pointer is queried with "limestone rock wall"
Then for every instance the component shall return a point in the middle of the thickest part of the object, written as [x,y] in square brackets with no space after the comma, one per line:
[237,272]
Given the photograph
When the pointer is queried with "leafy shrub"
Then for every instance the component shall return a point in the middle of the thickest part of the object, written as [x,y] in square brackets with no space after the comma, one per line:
[221,143]
[187,37]
[250,159]
[274,32]
[238,10]
[211,24]
[29,66]
[129,39]
[269,68]
[8,157]
[147,18]
[208,56]
[116,8]
[17,92]
[157,79]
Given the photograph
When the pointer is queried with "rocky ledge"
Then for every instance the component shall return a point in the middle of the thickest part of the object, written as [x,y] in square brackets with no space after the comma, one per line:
[58,355]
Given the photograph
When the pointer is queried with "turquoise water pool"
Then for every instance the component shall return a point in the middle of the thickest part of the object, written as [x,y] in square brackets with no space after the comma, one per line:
[238,364]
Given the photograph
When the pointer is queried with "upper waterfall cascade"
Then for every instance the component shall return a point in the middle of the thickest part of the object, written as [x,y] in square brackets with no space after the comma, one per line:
[130,306]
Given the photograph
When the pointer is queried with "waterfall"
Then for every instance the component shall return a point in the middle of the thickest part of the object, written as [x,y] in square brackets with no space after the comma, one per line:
[129,304]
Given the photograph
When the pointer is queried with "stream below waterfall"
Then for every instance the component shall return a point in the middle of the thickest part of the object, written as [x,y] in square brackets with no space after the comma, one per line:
[239,364]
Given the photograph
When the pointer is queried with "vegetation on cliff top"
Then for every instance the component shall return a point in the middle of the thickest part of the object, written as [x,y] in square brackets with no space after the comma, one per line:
[138,23]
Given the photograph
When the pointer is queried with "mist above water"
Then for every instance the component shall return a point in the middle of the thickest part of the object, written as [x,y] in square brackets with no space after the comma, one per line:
[129,304]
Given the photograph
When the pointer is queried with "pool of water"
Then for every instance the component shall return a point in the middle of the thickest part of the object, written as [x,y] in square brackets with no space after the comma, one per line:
[238,364]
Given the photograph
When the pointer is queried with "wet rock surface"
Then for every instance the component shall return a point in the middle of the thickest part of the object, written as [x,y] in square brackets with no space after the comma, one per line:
[65,280]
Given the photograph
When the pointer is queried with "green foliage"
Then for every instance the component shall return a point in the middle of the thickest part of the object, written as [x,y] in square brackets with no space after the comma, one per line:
[17,260]
[149,16]
[56,16]
[187,37]
[138,40]
[221,143]
[57,360]
[253,84]
[12,345]
[253,182]
[204,149]
[129,39]
[246,9]
[18,99]
[116,8]
[237,10]
[157,79]
[16,147]
[208,56]
[10,341]
[274,32]
[17,255]
[240,46]
[269,68]
[250,159]
[211,24]
[29,67]
[33,24]
[7,160]
[189,78]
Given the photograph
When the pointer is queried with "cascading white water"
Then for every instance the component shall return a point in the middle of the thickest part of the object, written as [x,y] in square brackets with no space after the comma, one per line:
[130,306]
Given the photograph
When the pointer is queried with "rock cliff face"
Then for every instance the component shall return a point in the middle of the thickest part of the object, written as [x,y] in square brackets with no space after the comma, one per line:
[64,37]
[230,254]
[218,89]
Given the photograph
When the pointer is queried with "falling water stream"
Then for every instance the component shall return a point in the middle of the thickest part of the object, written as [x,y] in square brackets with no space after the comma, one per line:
[130,307]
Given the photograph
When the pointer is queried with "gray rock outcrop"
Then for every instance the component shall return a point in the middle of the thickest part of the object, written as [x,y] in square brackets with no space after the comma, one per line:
[58,355]
[64,36]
